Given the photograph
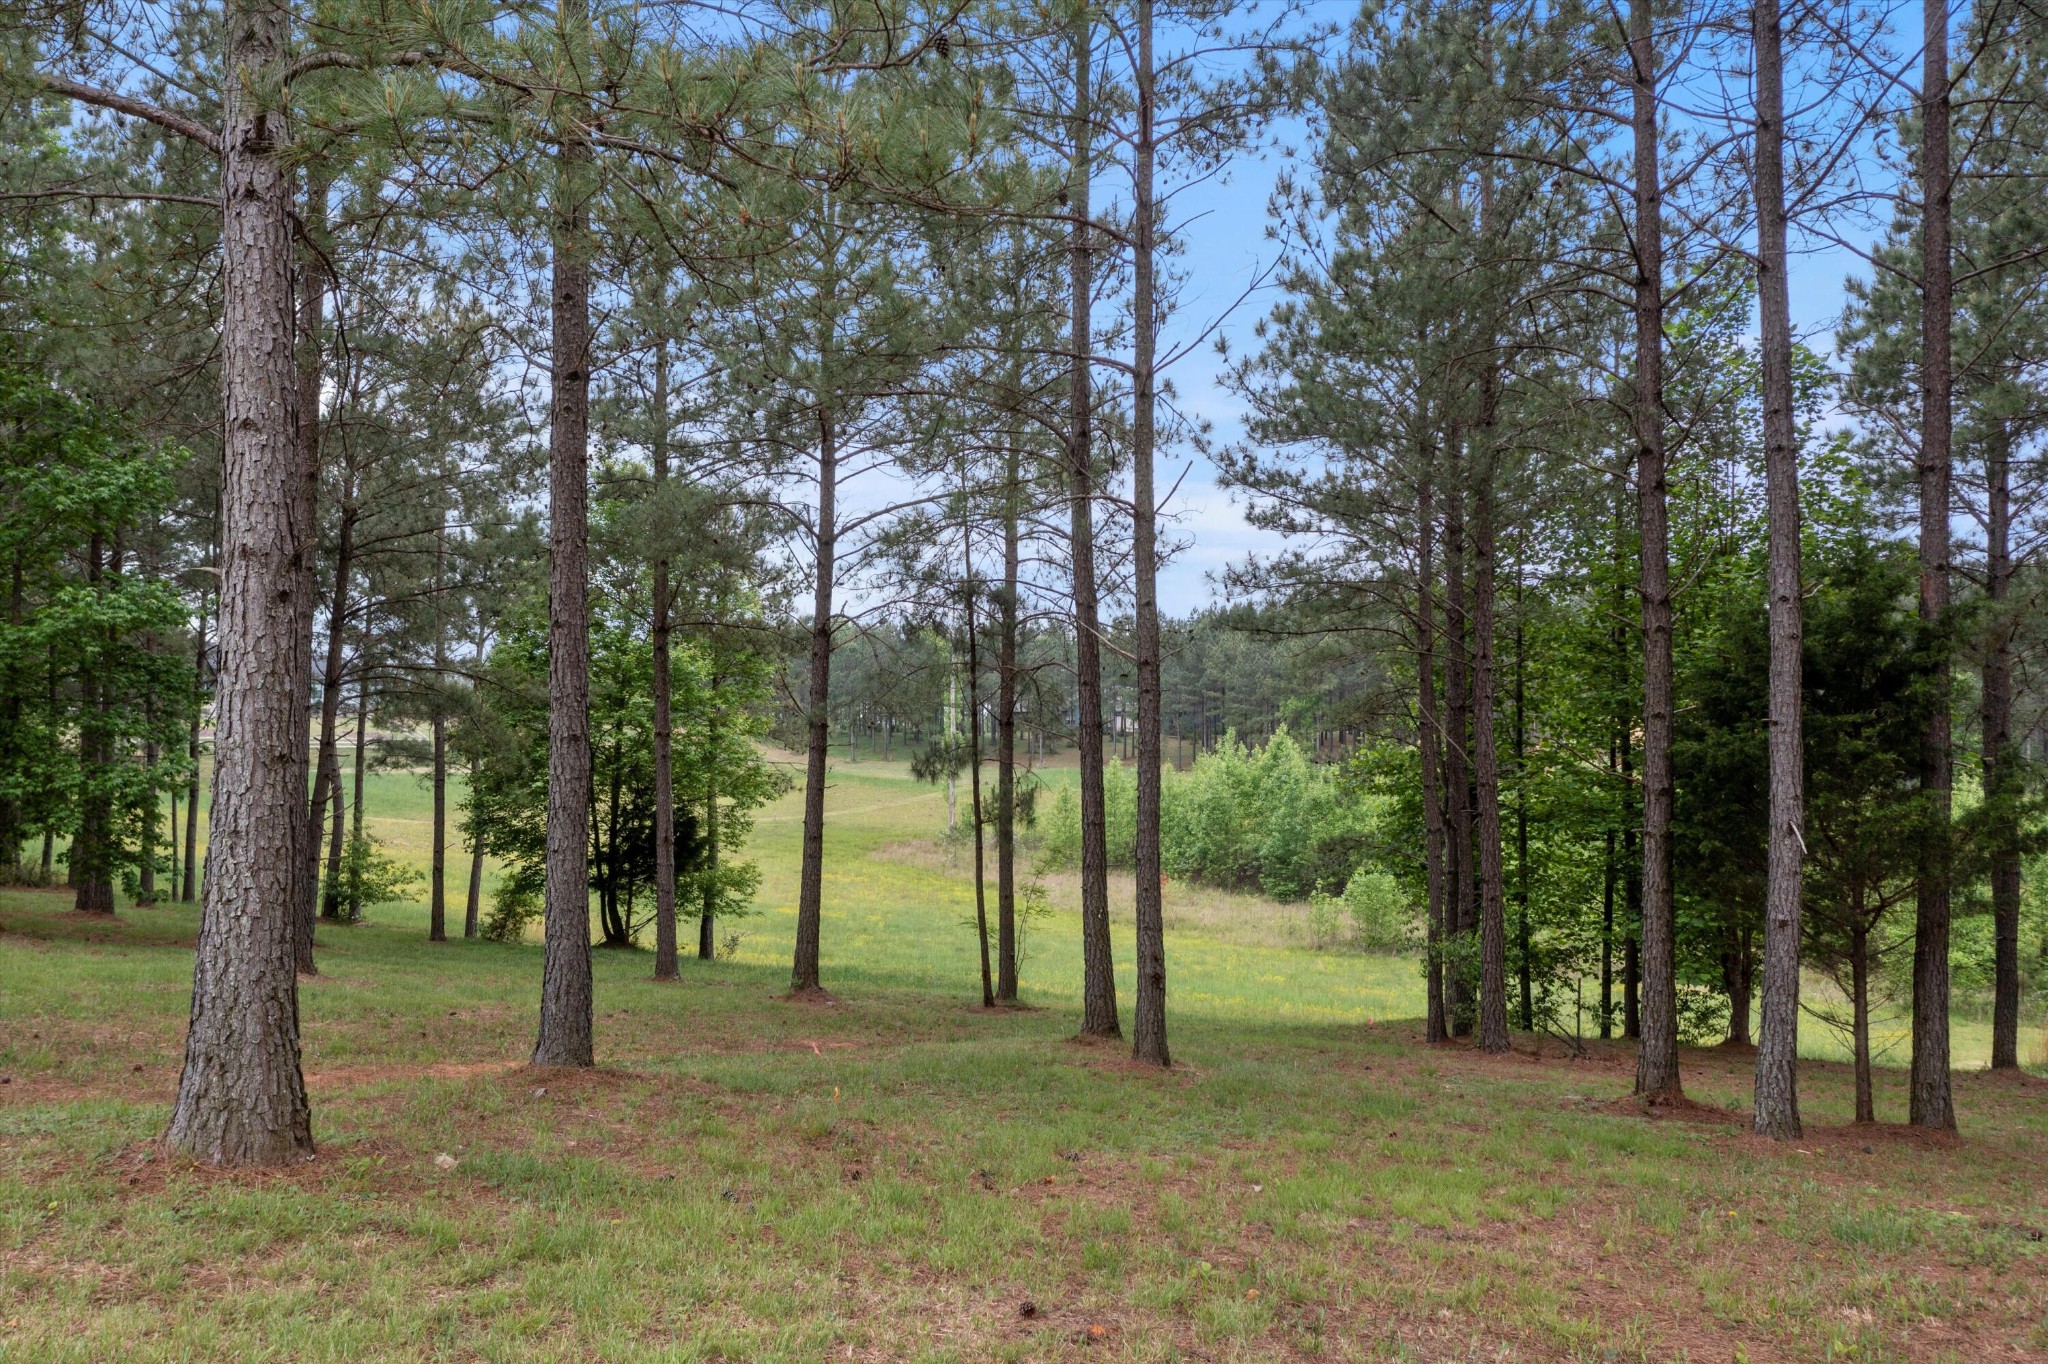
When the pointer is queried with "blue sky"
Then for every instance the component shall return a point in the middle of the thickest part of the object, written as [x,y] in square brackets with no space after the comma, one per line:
[1225,247]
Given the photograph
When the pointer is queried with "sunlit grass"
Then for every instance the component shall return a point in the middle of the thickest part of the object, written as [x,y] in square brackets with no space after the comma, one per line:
[898,1175]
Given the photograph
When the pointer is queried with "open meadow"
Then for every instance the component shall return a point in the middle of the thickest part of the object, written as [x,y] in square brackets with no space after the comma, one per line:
[902,1175]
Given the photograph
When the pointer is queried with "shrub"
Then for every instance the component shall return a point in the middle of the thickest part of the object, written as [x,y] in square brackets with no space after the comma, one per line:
[517,903]
[1382,917]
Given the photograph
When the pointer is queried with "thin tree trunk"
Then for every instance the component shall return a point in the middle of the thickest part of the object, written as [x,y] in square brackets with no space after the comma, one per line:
[1460,902]
[331,898]
[1493,988]
[1607,943]
[1657,1077]
[241,1095]
[988,993]
[1859,990]
[706,920]
[1006,748]
[327,779]
[356,847]
[1736,979]
[472,914]
[2001,761]
[189,889]
[1932,1105]
[11,830]
[566,1025]
[1775,1112]
[1524,929]
[437,890]
[1148,1034]
[1098,967]
[152,810]
[664,723]
[312,297]
[1429,742]
[91,853]
[811,886]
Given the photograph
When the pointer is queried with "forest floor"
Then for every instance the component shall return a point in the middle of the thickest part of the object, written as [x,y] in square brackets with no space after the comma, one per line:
[903,1175]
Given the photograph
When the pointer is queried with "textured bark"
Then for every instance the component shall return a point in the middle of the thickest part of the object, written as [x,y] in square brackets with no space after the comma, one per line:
[1006,746]
[241,1095]
[811,882]
[565,1037]
[1775,1112]
[1932,1105]
[1148,1032]
[1430,743]
[1657,1056]
[664,723]
[1098,967]
[2001,759]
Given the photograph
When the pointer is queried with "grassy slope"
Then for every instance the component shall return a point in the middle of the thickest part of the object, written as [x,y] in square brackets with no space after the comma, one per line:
[899,1176]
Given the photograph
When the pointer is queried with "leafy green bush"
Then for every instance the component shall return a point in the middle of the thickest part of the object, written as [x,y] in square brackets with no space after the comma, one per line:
[370,876]
[1382,917]
[517,903]
[1262,819]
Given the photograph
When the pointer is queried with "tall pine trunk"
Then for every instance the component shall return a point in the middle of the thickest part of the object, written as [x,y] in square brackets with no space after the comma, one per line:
[188,890]
[1006,745]
[1098,965]
[1859,1003]
[327,773]
[565,1036]
[242,1095]
[1459,901]
[664,723]
[1775,1112]
[1148,1033]
[1429,743]
[707,916]
[1493,986]
[1657,1056]
[1932,1105]
[472,912]
[312,296]
[437,887]
[988,992]
[818,726]
[1524,929]
[353,910]
[2001,759]
[92,861]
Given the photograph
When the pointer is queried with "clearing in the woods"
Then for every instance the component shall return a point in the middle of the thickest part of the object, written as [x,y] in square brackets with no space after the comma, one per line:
[902,1175]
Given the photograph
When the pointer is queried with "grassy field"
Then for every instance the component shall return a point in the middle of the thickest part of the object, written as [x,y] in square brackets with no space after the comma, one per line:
[903,1175]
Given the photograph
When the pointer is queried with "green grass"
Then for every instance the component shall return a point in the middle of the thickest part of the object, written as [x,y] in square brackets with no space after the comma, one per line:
[897,1176]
